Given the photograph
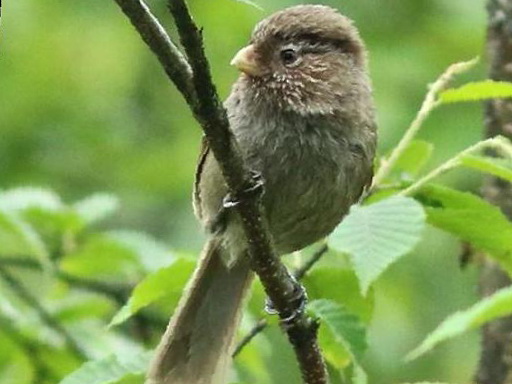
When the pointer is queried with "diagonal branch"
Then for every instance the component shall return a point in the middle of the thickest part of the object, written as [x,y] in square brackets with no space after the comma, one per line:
[263,323]
[279,285]
[201,95]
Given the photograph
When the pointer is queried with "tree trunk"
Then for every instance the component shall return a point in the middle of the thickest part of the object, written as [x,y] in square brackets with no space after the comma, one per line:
[496,356]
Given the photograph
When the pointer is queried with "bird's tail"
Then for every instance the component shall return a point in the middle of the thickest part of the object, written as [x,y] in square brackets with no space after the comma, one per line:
[196,347]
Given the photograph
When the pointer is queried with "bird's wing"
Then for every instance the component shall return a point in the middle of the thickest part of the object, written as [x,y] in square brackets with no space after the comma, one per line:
[196,201]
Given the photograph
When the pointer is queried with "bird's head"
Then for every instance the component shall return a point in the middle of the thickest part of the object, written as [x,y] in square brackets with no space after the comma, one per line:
[306,59]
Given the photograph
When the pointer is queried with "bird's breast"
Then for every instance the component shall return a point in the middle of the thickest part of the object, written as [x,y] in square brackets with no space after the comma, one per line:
[310,173]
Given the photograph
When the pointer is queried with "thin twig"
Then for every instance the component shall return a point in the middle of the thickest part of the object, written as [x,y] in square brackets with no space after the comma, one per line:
[429,104]
[257,329]
[19,289]
[498,143]
[263,323]
[278,284]
[301,272]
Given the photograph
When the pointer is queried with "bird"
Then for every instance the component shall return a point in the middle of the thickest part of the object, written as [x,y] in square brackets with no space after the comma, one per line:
[303,116]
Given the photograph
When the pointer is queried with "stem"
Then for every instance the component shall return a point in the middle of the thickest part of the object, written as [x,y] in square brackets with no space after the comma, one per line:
[263,323]
[498,143]
[429,104]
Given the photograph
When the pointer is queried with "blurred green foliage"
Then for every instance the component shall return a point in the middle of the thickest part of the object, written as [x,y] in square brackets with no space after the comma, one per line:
[85,107]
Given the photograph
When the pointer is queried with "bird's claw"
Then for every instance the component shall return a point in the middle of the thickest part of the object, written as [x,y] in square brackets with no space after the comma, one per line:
[256,188]
[298,302]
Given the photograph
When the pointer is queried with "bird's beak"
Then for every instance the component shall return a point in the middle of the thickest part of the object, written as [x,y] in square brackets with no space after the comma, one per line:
[245,61]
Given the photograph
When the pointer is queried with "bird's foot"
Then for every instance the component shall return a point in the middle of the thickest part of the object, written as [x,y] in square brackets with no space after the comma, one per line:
[298,302]
[254,189]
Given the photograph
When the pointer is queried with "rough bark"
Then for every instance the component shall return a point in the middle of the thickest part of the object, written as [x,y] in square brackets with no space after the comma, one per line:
[496,356]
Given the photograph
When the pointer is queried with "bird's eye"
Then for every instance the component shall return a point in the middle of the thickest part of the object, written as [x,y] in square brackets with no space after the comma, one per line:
[288,56]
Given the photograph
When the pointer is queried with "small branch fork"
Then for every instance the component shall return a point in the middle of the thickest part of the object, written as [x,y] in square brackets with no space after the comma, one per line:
[263,323]
[193,79]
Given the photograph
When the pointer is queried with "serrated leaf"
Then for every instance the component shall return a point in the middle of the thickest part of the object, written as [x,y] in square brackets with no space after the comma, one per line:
[110,369]
[470,218]
[347,329]
[495,166]
[497,305]
[482,90]
[168,281]
[251,3]
[377,235]
[96,207]
[414,157]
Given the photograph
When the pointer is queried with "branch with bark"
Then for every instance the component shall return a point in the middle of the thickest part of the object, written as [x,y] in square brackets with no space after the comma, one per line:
[191,75]
[495,365]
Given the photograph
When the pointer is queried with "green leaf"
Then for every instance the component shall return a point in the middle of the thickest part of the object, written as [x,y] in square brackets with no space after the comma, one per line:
[341,286]
[168,281]
[346,328]
[110,369]
[18,238]
[43,209]
[377,235]
[150,252]
[481,90]
[96,207]
[470,218]
[497,305]
[495,166]
[102,256]
[414,157]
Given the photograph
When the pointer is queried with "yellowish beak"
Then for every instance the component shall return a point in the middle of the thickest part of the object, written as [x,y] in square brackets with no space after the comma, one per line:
[245,61]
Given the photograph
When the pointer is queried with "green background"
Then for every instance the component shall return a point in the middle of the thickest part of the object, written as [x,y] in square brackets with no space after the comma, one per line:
[85,107]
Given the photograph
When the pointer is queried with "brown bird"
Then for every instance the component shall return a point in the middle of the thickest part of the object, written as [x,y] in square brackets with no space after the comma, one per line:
[303,115]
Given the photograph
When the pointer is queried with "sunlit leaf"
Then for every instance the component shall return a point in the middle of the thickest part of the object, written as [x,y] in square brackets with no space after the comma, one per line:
[377,235]
[495,166]
[150,252]
[26,197]
[470,218]
[168,281]
[497,305]
[110,369]
[96,207]
[482,90]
